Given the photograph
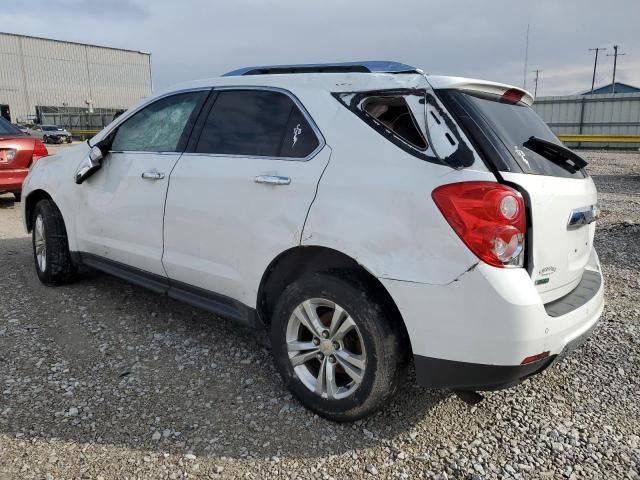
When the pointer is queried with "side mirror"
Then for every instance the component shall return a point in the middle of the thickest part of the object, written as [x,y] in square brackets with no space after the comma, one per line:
[90,165]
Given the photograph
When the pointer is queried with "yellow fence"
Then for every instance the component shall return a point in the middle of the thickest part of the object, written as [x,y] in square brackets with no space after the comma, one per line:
[600,138]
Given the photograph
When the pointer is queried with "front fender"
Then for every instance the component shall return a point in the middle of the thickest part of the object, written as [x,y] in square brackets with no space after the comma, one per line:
[54,175]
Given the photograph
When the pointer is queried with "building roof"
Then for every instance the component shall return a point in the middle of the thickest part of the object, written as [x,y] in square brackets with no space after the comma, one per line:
[620,88]
[74,43]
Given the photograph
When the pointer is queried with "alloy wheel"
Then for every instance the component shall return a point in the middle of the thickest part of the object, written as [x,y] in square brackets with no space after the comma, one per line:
[326,348]
[40,244]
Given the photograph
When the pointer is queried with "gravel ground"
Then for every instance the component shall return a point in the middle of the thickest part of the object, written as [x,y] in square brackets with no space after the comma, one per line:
[101,379]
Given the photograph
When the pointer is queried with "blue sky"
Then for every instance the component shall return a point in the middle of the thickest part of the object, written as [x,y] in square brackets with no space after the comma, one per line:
[192,39]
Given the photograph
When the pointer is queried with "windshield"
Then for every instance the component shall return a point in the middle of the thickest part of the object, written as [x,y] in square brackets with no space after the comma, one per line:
[7,129]
[50,128]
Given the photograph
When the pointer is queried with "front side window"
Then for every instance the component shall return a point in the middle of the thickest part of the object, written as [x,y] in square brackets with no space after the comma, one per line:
[159,126]
[256,123]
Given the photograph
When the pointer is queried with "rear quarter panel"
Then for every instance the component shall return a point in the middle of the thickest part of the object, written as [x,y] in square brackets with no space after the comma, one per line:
[374,204]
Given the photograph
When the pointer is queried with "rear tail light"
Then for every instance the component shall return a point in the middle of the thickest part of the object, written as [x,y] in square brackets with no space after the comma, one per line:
[7,154]
[489,218]
[39,150]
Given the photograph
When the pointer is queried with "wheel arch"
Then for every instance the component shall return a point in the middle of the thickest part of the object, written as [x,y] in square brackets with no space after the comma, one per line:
[301,260]
[30,204]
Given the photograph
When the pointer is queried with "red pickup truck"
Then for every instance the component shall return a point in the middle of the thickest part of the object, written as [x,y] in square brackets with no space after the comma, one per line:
[17,153]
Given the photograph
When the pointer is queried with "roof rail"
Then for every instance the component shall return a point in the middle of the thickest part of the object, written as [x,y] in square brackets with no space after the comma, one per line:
[370,66]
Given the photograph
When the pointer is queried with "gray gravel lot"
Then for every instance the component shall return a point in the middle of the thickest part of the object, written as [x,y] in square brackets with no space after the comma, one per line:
[101,379]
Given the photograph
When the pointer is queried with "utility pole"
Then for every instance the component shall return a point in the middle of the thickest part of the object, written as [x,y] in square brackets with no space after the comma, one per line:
[535,92]
[615,61]
[595,65]
[526,60]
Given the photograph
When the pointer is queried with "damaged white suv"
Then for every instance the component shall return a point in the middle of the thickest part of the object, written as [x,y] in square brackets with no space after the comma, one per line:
[367,214]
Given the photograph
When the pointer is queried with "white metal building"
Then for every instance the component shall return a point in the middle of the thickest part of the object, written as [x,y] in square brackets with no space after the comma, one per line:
[599,114]
[42,75]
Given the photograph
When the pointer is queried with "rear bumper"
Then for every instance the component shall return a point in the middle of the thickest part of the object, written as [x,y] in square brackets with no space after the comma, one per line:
[437,373]
[475,332]
[11,180]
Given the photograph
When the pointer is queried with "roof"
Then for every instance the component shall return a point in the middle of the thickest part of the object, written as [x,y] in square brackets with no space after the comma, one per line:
[620,88]
[344,82]
[75,43]
[315,87]
[366,66]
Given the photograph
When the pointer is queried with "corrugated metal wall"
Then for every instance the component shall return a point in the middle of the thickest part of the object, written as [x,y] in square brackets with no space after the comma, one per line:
[41,72]
[605,114]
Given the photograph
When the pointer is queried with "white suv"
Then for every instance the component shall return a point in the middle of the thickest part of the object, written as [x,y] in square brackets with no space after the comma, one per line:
[365,213]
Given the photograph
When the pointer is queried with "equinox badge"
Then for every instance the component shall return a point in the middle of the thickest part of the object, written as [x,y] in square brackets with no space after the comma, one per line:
[582,216]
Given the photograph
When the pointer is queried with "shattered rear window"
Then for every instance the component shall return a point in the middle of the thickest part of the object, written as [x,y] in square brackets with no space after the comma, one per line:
[394,114]
[413,120]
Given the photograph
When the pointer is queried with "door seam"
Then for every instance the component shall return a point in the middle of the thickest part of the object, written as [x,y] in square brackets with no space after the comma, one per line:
[315,194]
[164,213]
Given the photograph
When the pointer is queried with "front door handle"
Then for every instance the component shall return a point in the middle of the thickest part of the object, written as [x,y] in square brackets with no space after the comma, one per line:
[153,175]
[272,179]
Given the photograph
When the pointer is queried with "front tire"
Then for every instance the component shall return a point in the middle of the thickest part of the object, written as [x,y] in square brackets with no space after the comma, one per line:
[336,348]
[18,197]
[50,245]
[45,139]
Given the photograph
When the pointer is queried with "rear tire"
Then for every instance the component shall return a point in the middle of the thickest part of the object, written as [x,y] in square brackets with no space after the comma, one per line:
[341,378]
[50,245]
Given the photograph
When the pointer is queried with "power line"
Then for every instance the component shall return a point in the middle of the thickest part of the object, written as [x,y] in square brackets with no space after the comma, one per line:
[537,72]
[615,56]
[595,65]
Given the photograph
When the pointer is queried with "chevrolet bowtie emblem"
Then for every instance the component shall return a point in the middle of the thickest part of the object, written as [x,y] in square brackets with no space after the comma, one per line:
[582,216]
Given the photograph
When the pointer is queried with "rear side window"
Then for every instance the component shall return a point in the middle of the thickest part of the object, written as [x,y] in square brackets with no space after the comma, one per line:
[394,113]
[158,127]
[413,120]
[299,139]
[259,123]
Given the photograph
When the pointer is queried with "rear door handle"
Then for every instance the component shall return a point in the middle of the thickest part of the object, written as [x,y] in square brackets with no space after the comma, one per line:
[272,179]
[153,175]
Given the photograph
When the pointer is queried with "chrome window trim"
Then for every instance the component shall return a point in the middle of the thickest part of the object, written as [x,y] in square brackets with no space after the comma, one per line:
[143,152]
[321,140]
[296,102]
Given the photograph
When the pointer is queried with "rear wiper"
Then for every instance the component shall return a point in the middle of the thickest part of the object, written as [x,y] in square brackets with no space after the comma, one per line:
[555,153]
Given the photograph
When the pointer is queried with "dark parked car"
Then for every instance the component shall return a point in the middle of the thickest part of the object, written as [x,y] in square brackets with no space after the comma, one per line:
[52,134]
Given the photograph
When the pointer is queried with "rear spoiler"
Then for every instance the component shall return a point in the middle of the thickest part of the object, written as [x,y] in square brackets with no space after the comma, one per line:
[481,86]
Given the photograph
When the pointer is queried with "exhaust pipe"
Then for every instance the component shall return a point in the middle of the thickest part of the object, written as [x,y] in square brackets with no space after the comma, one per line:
[469,397]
